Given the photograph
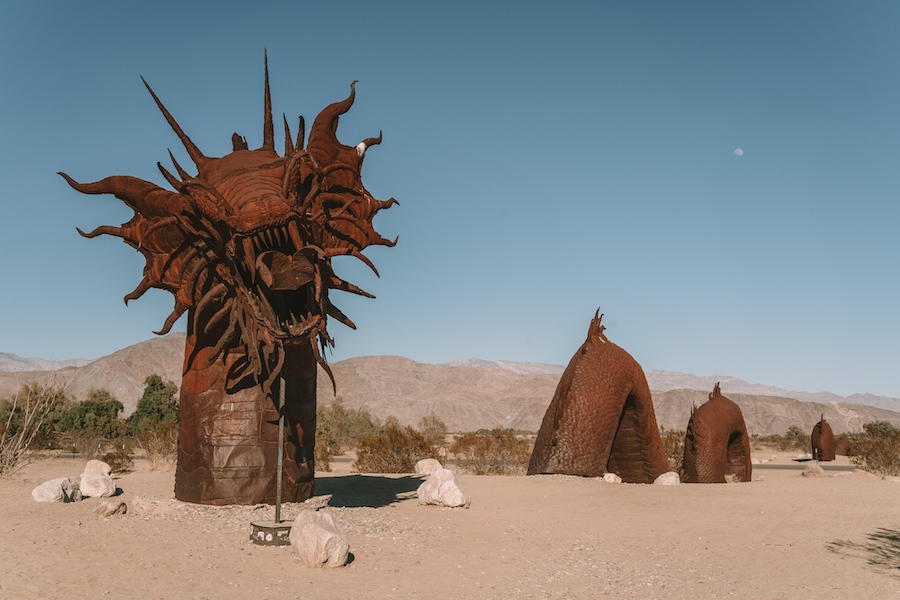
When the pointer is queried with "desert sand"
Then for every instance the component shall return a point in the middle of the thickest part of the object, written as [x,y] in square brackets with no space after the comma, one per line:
[781,536]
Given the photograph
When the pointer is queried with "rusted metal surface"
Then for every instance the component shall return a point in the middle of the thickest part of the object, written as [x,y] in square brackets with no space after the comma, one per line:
[601,418]
[245,247]
[824,446]
[716,443]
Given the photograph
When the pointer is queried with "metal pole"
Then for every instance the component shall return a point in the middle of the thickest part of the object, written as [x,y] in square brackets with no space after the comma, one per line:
[280,450]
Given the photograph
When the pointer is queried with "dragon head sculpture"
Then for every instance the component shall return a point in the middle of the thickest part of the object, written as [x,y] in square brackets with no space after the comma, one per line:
[245,245]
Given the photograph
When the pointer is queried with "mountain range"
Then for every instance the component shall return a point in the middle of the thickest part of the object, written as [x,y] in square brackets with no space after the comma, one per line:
[467,394]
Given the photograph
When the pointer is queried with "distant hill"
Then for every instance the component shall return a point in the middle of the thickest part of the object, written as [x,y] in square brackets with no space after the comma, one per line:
[14,363]
[472,394]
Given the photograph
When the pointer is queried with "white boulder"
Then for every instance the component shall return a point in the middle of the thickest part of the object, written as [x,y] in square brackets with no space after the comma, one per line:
[611,478]
[318,540]
[670,478]
[61,489]
[443,488]
[97,485]
[97,466]
[813,471]
[427,466]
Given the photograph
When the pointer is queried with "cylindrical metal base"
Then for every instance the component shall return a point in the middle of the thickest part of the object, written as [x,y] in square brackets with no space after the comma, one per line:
[270,533]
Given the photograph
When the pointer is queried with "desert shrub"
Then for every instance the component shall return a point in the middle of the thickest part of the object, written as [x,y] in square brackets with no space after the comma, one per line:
[160,445]
[434,430]
[21,418]
[673,444]
[878,449]
[794,439]
[117,455]
[326,443]
[397,450]
[496,452]
[348,426]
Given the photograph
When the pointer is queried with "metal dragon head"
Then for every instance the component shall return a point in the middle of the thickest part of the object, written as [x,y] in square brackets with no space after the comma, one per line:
[245,245]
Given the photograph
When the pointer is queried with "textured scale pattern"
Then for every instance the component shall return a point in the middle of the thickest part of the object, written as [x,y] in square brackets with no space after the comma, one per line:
[716,444]
[824,446]
[601,418]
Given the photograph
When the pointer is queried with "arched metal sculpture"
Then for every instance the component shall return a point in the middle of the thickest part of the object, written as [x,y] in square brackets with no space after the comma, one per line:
[824,445]
[245,247]
[716,444]
[601,417]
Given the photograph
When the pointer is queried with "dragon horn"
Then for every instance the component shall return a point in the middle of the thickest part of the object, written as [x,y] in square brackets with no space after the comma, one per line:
[192,150]
[268,125]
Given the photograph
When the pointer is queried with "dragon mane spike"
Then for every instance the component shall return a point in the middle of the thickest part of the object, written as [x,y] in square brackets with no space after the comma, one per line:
[181,172]
[301,133]
[364,145]
[137,292]
[268,125]
[288,142]
[173,181]
[179,310]
[103,229]
[192,150]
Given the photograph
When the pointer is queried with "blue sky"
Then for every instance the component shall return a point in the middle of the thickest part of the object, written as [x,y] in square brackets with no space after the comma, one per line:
[549,160]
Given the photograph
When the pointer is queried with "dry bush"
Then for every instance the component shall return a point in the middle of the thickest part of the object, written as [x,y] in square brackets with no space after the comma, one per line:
[878,449]
[117,454]
[160,444]
[673,444]
[794,439]
[434,430]
[397,450]
[21,417]
[497,452]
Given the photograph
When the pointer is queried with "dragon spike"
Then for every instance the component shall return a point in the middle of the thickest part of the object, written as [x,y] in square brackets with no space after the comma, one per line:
[176,313]
[268,125]
[288,142]
[181,172]
[137,292]
[364,145]
[192,150]
[301,133]
[173,181]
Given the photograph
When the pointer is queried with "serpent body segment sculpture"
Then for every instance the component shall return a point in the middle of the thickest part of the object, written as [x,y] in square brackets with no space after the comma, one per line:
[823,443]
[601,418]
[716,444]
[245,247]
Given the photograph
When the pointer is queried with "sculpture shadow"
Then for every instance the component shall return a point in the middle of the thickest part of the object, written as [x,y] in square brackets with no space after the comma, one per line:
[881,550]
[372,491]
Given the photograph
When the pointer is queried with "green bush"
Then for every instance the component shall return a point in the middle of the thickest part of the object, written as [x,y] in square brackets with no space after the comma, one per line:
[497,452]
[347,427]
[794,439]
[397,450]
[97,416]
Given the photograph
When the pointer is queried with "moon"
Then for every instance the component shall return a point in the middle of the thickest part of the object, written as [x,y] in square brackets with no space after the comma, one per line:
[738,152]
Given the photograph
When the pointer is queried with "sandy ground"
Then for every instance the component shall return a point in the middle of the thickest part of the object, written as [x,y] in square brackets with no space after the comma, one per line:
[781,536]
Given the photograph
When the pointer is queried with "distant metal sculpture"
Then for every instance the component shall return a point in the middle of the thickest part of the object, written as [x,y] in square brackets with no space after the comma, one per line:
[843,446]
[823,443]
[245,247]
[601,417]
[716,445]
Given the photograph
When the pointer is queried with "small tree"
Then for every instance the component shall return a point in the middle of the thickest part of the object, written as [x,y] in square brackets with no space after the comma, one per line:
[673,444]
[21,417]
[157,408]
[155,421]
